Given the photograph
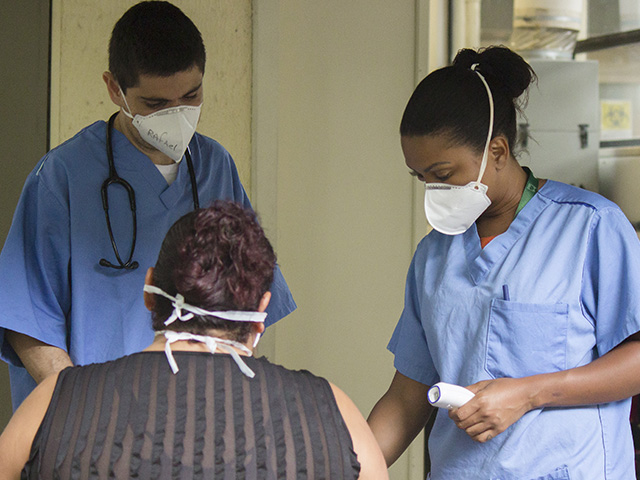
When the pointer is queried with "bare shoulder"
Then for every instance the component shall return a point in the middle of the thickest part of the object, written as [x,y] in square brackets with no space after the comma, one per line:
[372,463]
[16,440]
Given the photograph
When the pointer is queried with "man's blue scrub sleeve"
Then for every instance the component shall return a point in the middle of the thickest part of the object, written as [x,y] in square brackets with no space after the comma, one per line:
[37,294]
[611,288]
[408,342]
[284,303]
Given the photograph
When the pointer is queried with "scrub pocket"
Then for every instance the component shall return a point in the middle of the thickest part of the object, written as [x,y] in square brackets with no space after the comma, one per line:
[526,338]
[561,473]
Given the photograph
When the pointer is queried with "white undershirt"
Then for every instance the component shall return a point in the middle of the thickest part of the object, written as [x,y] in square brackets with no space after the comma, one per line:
[169,172]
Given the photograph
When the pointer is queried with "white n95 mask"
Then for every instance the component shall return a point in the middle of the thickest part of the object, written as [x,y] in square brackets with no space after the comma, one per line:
[168,130]
[452,209]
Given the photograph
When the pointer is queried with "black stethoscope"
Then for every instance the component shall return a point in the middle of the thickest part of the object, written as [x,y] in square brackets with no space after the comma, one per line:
[114,178]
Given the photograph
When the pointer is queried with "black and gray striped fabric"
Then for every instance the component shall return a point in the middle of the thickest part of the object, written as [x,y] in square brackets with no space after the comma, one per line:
[133,418]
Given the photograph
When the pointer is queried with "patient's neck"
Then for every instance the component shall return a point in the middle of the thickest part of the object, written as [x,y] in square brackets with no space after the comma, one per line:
[160,341]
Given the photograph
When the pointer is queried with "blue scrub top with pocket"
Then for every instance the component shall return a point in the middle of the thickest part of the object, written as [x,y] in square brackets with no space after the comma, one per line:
[558,289]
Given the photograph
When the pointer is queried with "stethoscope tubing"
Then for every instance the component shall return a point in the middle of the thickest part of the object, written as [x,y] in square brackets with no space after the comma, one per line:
[114,178]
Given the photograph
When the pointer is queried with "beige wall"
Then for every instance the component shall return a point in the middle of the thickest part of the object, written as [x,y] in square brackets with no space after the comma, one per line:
[80,34]
[24,57]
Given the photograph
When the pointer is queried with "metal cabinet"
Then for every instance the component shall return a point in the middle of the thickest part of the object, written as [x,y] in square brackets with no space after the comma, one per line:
[559,130]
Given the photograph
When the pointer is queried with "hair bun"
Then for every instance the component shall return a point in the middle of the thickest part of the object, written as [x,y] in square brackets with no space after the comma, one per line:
[466,58]
[502,68]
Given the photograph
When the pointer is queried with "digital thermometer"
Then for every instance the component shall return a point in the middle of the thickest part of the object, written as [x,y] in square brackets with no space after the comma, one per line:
[447,395]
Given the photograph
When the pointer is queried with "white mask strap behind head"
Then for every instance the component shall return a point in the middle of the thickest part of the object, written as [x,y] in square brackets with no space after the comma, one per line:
[485,154]
[212,344]
[179,305]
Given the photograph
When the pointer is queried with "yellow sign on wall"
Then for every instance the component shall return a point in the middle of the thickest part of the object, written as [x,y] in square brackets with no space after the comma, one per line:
[615,119]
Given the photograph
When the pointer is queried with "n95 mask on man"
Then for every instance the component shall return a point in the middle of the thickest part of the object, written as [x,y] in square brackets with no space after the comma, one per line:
[168,130]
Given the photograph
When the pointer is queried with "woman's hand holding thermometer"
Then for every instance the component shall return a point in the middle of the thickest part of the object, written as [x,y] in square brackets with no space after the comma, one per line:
[449,396]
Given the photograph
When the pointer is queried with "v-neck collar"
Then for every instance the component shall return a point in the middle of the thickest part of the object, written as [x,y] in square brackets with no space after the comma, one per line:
[479,260]
[129,160]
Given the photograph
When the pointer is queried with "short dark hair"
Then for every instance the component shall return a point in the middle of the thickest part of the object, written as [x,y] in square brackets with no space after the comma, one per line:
[453,102]
[218,259]
[154,38]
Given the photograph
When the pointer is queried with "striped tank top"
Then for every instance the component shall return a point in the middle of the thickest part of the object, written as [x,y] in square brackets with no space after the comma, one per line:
[133,418]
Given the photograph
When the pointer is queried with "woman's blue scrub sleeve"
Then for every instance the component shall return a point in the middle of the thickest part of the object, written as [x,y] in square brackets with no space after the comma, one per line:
[611,291]
[412,358]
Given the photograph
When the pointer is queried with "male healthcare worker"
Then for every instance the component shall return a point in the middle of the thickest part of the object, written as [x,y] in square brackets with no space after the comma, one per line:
[94,210]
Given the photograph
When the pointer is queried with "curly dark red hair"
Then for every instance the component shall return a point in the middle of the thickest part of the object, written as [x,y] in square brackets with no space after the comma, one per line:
[217,258]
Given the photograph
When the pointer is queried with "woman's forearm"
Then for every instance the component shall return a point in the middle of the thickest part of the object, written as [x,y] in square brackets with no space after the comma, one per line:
[17,438]
[399,416]
[612,377]
[501,402]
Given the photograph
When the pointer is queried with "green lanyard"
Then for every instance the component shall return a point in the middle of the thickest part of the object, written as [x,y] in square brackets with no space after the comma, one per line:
[530,190]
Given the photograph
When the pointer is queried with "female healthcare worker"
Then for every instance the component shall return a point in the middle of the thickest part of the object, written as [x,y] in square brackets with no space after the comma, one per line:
[527,292]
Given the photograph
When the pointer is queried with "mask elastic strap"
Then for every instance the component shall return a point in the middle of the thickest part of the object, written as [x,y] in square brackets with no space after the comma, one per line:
[128,114]
[485,154]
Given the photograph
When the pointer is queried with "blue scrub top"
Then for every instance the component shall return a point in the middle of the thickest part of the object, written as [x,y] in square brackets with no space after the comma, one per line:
[570,264]
[53,288]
